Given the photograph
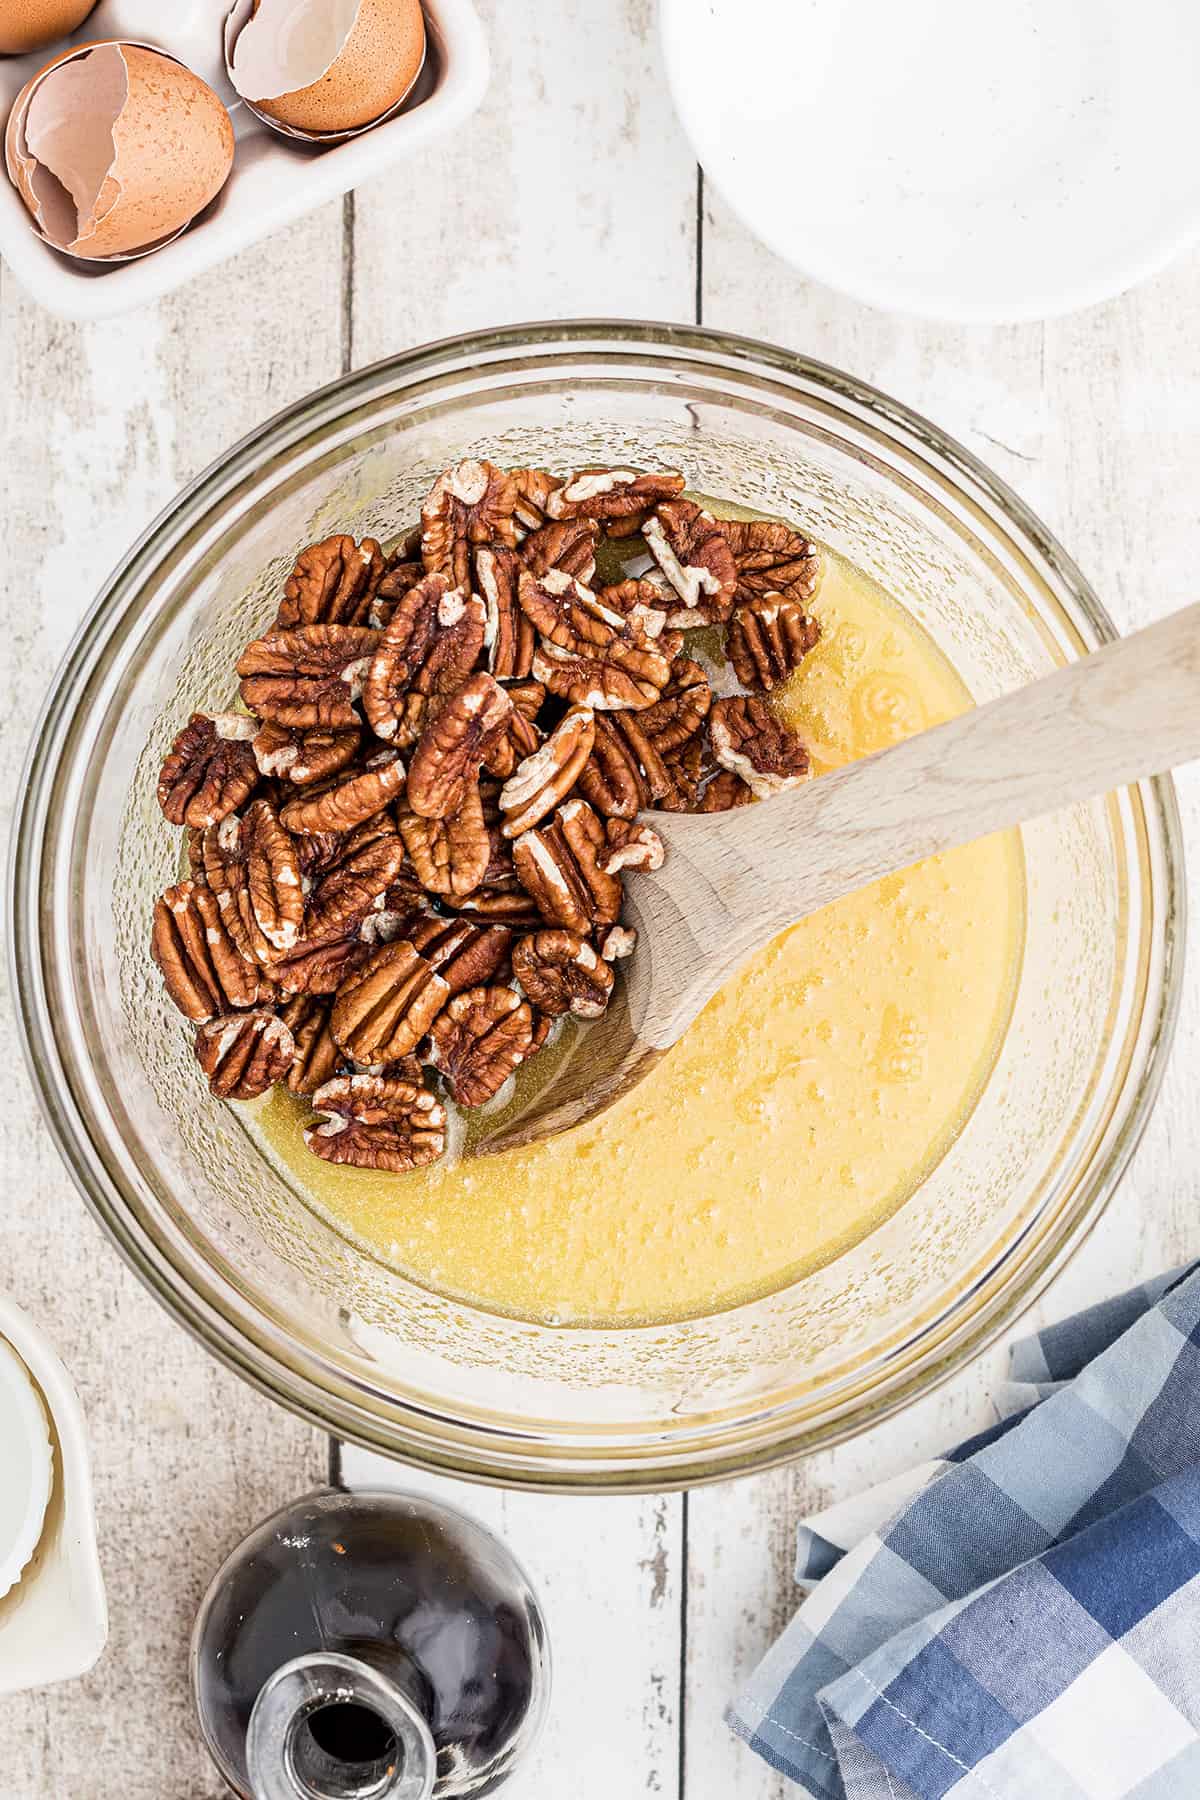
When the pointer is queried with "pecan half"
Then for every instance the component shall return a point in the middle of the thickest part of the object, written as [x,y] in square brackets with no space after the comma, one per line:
[589,681]
[319,968]
[333,583]
[432,644]
[446,761]
[625,773]
[202,968]
[570,616]
[691,550]
[631,845]
[519,739]
[504,905]
[404,570]
[725,791]
[768,638]
[567,544]
[273,881]
[508,636]
[472,503]
[611,493]
[686,769]
[450,855]
[462,953]
[548,775]
[590,653]
[560,972]
[559,866]
[251,865]
[317,1056]
[771,557]
[402,650]
[303,757]
[384,1010]
[457,647]
[353,883]
[210,769]
[243,1054]
[748,739]
[307,677]
[642,603]
[480,1038]
[681,711]
[377,1122]
[534,488]
[349,798]
[612,782]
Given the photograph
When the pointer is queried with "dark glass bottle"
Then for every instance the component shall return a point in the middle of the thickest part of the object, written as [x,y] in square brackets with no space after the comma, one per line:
[369,1646]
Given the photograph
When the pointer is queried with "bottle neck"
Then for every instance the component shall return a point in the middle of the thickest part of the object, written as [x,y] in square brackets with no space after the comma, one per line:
[329,1727]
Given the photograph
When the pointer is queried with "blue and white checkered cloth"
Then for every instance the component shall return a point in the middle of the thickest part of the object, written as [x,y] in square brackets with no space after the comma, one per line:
[1021,1619]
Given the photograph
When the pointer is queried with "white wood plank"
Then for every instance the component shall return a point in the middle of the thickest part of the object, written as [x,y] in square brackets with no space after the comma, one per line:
[1093,420]
[101,425]
[572,192]
[609,1575]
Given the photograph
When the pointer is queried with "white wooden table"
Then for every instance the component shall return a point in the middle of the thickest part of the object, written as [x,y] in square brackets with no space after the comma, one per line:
[572,193]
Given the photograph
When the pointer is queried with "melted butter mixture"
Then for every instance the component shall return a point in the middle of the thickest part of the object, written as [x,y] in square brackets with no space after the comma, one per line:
[802,1108]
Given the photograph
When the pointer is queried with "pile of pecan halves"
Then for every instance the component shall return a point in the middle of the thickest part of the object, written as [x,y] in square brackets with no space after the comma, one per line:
[407,854]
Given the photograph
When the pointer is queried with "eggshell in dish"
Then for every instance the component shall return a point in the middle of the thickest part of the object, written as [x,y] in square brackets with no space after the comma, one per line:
[32,24]
[115,148]
[321,67]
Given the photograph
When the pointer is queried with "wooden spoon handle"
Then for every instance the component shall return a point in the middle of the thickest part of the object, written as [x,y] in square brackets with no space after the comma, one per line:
[1129,710]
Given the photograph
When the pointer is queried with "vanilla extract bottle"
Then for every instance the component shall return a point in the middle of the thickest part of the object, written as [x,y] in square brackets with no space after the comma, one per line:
[369,1646]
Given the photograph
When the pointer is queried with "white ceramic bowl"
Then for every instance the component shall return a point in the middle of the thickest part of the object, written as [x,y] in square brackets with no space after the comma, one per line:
[54,1622]
[26,1470]
[273,181]
[990,161]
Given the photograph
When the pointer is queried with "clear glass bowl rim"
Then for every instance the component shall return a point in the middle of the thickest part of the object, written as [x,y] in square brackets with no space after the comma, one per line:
[211,1309]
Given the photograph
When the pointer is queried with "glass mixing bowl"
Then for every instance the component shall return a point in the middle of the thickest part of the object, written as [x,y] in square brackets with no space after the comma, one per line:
[295,1307]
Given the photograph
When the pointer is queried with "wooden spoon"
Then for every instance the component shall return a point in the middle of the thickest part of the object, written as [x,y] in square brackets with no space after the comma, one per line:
[732,881]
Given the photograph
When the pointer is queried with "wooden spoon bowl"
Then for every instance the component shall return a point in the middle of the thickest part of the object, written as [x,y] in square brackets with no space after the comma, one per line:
[732,881]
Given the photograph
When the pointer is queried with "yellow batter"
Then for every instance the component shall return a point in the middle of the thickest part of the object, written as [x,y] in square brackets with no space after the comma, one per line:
[804,1105]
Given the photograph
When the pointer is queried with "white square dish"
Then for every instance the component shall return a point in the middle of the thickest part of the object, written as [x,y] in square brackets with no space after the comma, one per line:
[274,179]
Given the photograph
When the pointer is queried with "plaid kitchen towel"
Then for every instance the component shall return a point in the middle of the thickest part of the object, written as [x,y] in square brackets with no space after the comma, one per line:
[1019,1620]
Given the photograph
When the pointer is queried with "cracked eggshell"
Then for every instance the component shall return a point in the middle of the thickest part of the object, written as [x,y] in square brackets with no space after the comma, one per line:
[115,147]
[320,67]
[32,24]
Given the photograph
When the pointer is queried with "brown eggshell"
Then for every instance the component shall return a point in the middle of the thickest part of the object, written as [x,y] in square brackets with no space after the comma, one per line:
[375,68]
[168,148]
[174,151]
[31,24]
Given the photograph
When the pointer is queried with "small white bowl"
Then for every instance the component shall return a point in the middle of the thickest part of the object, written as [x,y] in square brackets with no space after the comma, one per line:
[273,181]
[26,1467]
[990,160]
[54,1621]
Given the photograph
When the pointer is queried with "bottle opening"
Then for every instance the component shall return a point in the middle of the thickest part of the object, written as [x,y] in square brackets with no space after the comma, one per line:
[345,1750]
[327,1726]
[352,1732]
